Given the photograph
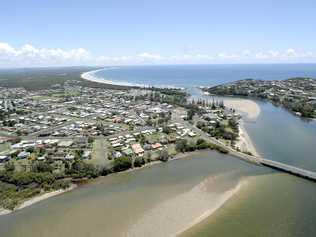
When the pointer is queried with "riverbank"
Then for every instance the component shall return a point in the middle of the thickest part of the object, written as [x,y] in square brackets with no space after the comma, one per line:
[37,199]
[244,142]
[251,110]
[45,196]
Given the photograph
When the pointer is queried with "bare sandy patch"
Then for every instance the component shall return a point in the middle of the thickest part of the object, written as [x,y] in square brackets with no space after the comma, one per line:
[249,107]
[182,212]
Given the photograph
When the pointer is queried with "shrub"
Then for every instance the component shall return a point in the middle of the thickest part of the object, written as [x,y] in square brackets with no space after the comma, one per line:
[164,156]
[122,163]
[139,162]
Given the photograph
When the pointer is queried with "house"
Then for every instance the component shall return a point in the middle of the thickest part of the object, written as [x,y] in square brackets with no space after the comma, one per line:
[191,134]
[117,154]
[69,156]
[114,145]
[156,146]
[137,148]
[65,143]
[86,154]
[127,151]
[4,159]
[23,155]
[41,158]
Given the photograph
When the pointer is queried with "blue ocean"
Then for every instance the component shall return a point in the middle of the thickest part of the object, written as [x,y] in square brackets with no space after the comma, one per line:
[202,75]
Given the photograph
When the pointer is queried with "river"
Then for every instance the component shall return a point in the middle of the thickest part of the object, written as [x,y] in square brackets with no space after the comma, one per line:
[157,201]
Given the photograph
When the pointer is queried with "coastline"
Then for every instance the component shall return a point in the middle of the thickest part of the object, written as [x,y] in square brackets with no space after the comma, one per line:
[37,199]
[90,76]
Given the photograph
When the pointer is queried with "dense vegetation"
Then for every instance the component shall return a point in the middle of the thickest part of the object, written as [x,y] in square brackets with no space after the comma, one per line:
[44,78]
[183,145]
[221,130]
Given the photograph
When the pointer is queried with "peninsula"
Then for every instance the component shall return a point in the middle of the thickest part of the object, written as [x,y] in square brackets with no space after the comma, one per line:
[298,95]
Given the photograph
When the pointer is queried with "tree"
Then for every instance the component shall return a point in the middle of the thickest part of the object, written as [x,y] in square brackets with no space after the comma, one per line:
[181,145]
[78,154]
[80,169]
[233,123]
[166,129]
[200,124]
[139,162]
[9,166]
[122,163]
[191,113]
[42,167]
[164,155]
[90,139]
[201,144]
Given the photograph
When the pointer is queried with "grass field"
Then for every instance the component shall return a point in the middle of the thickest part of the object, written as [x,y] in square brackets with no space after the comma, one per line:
[99,153]
[4,147]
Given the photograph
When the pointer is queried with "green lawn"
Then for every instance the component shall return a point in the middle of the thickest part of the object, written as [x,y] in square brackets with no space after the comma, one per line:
[4,147]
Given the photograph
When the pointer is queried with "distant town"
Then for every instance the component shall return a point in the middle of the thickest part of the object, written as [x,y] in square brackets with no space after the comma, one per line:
[296,94]
[68,132]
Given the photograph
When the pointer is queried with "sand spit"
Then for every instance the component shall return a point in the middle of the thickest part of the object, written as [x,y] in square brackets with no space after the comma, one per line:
[249,107]
[180,213]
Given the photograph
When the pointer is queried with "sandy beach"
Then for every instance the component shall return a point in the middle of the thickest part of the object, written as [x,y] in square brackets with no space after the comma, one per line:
[37,199]
[244,142]
[90,76]
[248,107]
[251,110]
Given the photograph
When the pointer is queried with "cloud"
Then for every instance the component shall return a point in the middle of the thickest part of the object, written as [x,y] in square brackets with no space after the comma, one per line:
[29,56]
[151,56]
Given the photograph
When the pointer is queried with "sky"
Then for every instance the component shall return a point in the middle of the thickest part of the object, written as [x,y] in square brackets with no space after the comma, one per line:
[117,32]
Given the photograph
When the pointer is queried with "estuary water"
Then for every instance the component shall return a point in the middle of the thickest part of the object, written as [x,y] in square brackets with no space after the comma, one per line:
[161,200]
[178,197]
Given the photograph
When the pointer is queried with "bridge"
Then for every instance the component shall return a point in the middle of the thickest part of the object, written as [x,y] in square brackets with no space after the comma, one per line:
[306,174]
[289,169]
